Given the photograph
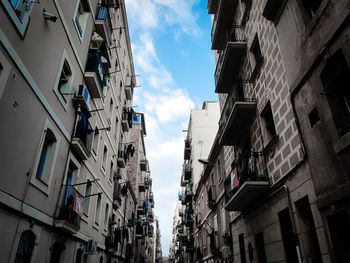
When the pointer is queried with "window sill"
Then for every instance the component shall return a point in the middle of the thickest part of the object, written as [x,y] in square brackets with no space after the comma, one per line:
[342,143]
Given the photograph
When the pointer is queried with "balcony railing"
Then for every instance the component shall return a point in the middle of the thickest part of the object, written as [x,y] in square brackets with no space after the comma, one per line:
[127,116]
[189,218]
[68,220]
[117,195]
[82,137]
[94,74]
[230,59]
[143,165]
[188,194]
[211,197]
[225,12]
[247,182]
[187,151]
[103,23]
[187,171]
[236,118]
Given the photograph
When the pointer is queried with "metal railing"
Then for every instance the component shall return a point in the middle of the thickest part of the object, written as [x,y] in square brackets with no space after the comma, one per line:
[237,95]
[234,34]
[103,14]
[249,166]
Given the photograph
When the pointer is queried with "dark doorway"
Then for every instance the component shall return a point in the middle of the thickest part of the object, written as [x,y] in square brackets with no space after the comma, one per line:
[339,228]
[289,239]
[308,233]
[242,248]
[260,247]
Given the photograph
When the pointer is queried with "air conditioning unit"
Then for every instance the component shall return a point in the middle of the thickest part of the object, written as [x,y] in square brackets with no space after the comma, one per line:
[117,174]
[91,247]
[82,96]
[226,252]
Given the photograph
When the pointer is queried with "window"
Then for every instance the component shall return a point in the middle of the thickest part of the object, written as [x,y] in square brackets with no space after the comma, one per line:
[79,256]
[106,215]
[46,156]
[270,130]
[5,69]
[80,17]
[116,128]
[98,207]
[104,161]
[111,172]
[256,58]
[86,202]
[64,81]
[111,105]
[313,117]
[95,141]
[19,11]
[311,6]
[335,78]
[25,247]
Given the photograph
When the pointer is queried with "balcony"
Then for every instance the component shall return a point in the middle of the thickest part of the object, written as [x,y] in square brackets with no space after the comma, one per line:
[143,165]
[117,195]
[188,194]
[127,119]
[94,74]
[189,245]
[189,218]
[150,197]
[141,209]
[68,220]
[212,6]
[187,172]
[103,24]
[111,242]
[121,161]
[247,182]
[113,3]
[142,186]
[183,181]
[187,151]
[225,12]
[235,120]
[82,137]
[139,230]
[211,197]
[230,60]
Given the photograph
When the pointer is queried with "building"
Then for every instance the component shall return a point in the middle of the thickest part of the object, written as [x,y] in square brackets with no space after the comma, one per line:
[317,73]
[66,87]
[202,128]
[141,182]
[265,194]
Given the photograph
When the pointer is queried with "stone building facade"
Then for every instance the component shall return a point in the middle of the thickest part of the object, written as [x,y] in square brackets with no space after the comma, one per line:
[278,164]
[66,87]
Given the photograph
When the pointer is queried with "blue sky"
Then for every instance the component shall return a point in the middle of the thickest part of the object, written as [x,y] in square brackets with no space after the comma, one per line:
[171,49]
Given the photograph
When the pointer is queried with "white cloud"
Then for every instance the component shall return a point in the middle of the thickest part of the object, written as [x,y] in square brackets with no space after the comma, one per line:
[151,14]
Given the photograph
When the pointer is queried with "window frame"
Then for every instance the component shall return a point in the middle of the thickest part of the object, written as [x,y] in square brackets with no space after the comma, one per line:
[39,183]
[65,59]
[4,72]
[23,226]
[21,24]
[83,27]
